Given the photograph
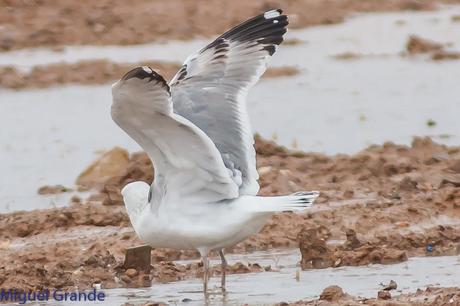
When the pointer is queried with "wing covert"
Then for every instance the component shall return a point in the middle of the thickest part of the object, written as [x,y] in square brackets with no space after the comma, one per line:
[211,87]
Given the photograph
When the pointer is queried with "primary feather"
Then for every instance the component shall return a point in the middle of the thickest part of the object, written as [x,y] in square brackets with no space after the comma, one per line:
[210,90]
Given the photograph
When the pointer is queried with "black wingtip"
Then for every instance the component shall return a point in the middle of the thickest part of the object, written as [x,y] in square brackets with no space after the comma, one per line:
[145,72]
[267,29]
[139,72]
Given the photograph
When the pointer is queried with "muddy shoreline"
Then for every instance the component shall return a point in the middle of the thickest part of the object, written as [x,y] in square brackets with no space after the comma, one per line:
[431,296]
[56,23]
[382,205]
[94,72]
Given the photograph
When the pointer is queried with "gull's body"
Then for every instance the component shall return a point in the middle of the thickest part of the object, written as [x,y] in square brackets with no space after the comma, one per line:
[196,131]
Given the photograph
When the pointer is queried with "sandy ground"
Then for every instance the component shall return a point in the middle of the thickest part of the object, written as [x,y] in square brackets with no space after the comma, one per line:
[381,205]
[25,24]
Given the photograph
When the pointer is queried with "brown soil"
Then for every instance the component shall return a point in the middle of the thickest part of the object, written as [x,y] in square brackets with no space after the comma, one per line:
[95,72]
[84,72]
[26,24]
[417,45]
[383,205]
[432,296]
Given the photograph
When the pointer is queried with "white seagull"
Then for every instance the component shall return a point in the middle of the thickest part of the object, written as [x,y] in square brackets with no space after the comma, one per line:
[196,131]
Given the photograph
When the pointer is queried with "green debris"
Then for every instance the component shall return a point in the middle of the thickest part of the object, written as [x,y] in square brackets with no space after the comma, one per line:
[431,123]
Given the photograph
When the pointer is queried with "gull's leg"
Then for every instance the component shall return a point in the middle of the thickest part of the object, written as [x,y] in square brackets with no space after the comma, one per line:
[224,269]
[205,273]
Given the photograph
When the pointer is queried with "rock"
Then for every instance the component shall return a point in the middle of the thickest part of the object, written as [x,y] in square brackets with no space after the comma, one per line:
[332,294]
[131,273]
[53,189]
[138,258]
[23,229]
[391,286]
[445,55]
[111,164]
[352,240]
[75,199]
[315,253]
[408,184]
[238,268]
[418,45]
[384,295]
[393,256]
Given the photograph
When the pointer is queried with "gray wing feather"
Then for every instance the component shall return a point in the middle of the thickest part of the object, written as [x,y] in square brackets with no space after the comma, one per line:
[210,90]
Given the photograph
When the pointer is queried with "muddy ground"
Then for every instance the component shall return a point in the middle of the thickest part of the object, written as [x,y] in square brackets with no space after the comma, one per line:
[432,296]
[26,24]
[93,72]
[382,205]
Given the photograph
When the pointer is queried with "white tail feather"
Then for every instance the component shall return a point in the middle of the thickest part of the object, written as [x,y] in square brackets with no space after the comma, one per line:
[294,202]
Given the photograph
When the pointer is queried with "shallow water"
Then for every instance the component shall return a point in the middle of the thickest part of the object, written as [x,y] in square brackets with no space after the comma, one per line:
[49,136]
[266,288]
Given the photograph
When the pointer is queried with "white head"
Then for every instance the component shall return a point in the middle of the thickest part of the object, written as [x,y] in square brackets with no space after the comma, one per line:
[135,195]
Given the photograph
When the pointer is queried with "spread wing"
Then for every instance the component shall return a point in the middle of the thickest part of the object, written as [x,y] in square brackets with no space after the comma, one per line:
[185,159]
[210,90]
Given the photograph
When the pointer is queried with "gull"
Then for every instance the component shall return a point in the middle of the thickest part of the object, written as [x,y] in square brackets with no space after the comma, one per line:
[196,131]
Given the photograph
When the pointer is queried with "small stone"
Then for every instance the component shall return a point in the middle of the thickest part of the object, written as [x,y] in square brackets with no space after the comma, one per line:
[352,240]
[131,273]
[332,294]
[23,230]
[75,199]
[384,295]
[44,190]
[408,184]
[391,286]
[126,279]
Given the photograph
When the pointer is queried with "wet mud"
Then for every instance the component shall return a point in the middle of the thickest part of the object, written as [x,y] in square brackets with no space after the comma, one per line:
[26,24]
[382,205]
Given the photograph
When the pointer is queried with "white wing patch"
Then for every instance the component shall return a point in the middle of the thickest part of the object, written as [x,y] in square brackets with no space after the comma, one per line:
[272,14]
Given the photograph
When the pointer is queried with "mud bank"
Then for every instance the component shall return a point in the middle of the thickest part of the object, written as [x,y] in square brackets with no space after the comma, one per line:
[437,51]
[431,296]
[54,23]
[93,72]
[85,72]
[392,202]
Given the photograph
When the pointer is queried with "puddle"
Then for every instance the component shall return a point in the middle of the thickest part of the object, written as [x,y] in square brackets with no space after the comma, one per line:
[267,288]
[49,136]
